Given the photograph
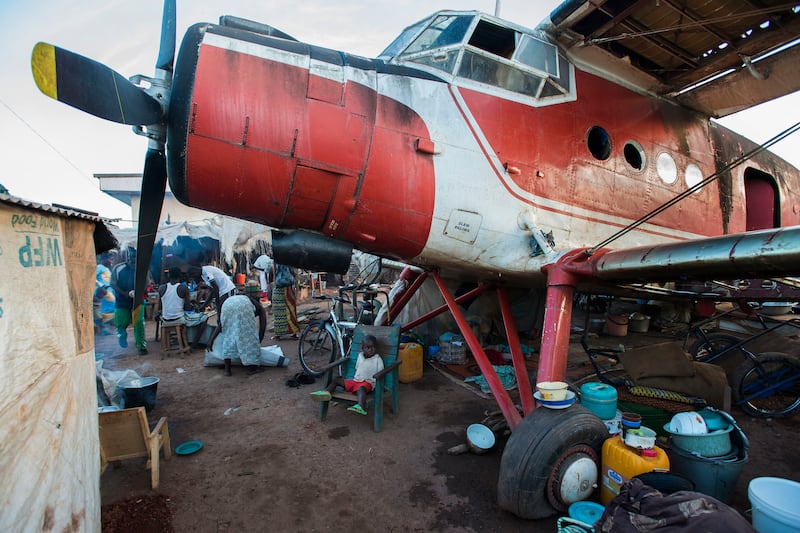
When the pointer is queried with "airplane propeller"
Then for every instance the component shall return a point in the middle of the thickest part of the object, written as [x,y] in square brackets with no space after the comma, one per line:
[100,91]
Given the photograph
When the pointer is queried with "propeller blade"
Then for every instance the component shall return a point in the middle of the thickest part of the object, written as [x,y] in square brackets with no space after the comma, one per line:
[154,184]
[166,51]
[91,87]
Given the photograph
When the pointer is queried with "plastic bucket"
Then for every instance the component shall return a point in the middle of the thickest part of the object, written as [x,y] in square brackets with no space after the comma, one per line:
[140,392]
[715,476]
[617,325]
[639,323]
[774,502]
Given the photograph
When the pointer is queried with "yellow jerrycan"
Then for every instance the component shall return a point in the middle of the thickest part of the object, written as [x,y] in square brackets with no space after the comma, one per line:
[411,355]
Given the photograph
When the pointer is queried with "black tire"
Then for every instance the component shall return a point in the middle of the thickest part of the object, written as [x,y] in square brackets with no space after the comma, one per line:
[769,388]
[317,348]
[537,454]
[707,347]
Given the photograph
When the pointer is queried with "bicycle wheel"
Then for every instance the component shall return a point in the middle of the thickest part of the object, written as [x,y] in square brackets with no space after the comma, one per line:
[317,348]
[706,348]
[768,387]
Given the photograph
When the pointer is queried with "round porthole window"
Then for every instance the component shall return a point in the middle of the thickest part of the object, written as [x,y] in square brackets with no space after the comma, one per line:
[634,155]
[693,176]
[666,168]
[599,143]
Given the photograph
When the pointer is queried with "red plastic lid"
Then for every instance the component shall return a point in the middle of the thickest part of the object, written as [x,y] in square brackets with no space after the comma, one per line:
[649,452]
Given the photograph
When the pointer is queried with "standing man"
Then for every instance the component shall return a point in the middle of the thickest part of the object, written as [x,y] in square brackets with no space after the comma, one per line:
[123,277]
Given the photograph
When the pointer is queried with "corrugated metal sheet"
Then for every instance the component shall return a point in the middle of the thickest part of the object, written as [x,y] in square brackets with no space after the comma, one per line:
[104,240]
[681,43]
[63,211]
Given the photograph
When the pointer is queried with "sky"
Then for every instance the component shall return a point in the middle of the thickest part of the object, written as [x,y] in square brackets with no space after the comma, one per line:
[50,151]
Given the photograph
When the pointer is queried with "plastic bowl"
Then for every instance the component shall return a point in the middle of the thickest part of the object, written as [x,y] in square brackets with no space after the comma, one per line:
[569,399]
[690,423]
[480,438]
[713,444]
[552,390]
[642,438]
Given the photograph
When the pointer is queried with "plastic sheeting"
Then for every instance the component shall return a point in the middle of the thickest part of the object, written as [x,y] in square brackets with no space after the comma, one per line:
[233,234]
[49,447]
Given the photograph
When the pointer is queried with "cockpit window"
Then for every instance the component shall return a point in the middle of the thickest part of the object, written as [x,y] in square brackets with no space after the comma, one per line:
[480,49]
[445,31]
[538,54]
[495,39]
[402,40]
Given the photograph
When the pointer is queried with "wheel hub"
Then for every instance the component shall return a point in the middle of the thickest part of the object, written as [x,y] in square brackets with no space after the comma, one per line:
[573,478]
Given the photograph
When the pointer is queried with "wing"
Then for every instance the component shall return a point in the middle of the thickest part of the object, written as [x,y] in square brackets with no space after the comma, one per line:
[716,57]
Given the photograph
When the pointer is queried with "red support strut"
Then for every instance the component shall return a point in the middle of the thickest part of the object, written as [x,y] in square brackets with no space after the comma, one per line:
[501,396]
[520,370]
[557,318]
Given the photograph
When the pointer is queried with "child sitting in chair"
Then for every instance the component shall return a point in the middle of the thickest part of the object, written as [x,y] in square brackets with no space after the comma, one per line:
[368,364]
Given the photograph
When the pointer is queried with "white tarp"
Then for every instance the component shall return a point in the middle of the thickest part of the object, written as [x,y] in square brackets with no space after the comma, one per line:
[234,235]
[49,446]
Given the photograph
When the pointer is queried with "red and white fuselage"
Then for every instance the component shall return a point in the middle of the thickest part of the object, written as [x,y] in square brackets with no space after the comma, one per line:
[408,162]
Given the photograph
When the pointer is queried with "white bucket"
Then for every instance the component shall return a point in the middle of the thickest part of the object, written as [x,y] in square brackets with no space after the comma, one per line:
[774,502]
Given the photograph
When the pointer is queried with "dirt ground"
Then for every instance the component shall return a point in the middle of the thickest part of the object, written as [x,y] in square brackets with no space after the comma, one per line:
[269,464]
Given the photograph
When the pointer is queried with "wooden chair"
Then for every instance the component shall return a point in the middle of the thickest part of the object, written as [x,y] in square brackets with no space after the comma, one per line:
[386,381]
[126,434]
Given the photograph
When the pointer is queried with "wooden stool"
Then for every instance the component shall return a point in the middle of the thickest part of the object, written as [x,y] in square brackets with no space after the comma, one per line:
[173,339]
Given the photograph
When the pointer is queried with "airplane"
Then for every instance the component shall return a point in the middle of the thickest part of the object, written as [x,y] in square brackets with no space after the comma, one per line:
[575,156]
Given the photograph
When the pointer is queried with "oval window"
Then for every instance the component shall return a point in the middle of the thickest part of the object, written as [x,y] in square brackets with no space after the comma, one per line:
[666,168]
[634,155]
[599,143]
[693,176]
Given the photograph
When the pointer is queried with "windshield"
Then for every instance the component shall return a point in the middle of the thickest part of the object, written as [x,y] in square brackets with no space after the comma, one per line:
[445,30]
[402,40]
[487,51]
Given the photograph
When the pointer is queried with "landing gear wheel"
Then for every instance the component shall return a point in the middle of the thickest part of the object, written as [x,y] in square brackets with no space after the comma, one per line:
[544,451]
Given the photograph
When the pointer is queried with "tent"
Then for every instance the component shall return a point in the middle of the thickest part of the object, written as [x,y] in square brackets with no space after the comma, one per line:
[218,239]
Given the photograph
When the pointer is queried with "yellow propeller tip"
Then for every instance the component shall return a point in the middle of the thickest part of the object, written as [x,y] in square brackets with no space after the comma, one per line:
[43,66]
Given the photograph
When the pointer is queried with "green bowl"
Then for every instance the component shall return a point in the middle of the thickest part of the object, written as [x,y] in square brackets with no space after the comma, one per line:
[711,444]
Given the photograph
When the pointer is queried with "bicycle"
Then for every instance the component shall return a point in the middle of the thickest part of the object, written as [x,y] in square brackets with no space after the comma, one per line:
[765,384]
[323,341]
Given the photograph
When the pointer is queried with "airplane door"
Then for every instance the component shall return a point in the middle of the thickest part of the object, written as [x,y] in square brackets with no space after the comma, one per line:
[761,200]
